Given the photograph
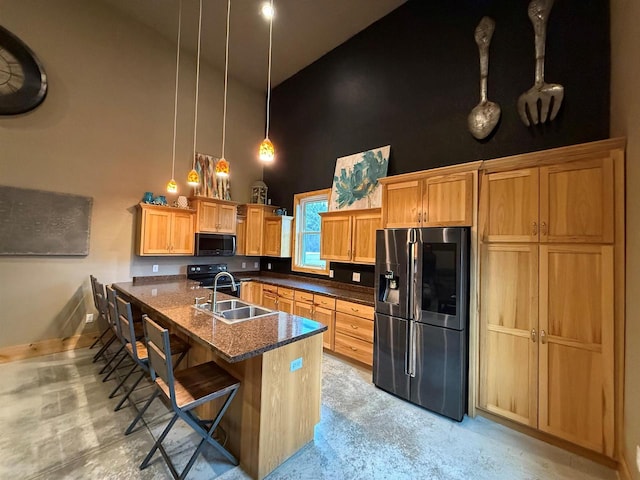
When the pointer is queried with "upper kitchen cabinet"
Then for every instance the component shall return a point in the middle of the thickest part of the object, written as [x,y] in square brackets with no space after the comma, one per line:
[350,236]
[277,236]
[255,214]
[165,230]
[554,203]
[215,216]
[436,198]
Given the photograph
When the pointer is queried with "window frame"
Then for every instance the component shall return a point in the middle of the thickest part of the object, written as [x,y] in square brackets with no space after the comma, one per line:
[298,200]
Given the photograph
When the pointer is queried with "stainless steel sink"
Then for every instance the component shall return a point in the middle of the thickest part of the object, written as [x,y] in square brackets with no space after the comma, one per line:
[223,305]
[233,311]
[244,313]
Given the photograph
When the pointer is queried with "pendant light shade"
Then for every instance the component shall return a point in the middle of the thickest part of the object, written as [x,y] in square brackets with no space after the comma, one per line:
[266,151]
[193,178]
[222,168]
[172,186]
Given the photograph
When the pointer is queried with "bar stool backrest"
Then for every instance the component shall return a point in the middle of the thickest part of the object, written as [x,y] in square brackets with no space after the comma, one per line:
[112,310]
[93,291]
[125,316]
[160,361]
[101,301]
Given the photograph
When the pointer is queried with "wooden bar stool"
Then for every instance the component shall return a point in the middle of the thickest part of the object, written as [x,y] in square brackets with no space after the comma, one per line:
[138,352]
[100,304]
[94,290]
[187,389]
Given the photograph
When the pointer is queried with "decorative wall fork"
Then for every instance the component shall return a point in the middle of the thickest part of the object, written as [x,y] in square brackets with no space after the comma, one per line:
[549,95]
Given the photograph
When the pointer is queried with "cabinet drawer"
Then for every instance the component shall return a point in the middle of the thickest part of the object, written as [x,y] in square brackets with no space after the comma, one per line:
[325,302]
[269,288]
[354,326]
[301,296]
[358,309]
[354,348]
[286,292]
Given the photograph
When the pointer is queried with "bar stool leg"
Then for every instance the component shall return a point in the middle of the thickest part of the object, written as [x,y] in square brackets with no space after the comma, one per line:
[115,390]
[108,364]
[157,445]
[141,412]
[103,349]
[124,399]
[104,332]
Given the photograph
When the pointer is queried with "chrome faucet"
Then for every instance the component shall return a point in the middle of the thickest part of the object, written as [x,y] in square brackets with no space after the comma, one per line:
[215,288]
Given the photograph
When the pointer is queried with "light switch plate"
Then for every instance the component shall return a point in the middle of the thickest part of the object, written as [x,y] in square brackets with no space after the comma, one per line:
[330,273]
[244,264]
[296,364]
[268,266]
[356,276]
[89,318]
[256,265]
[155,269]
[154,292]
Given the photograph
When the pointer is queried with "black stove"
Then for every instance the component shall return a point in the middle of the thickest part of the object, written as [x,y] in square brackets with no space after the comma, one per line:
[205,274]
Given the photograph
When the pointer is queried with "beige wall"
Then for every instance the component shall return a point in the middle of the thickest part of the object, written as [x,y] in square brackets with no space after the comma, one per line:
[625,120]
[105,130]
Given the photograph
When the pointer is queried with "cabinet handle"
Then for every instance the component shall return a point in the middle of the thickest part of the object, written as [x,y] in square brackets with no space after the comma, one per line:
[533,335]
[355,327]
[543,337]
[354,309]
[535,228]
[543,228]
[354,349]
[419,216]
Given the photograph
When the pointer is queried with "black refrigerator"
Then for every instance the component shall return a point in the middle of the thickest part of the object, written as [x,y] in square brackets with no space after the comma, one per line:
[422,309]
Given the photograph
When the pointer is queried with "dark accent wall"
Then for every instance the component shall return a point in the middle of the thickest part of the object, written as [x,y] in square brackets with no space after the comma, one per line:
[411,79]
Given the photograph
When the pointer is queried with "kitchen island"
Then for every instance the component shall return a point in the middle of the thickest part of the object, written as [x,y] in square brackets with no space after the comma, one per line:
[276,357]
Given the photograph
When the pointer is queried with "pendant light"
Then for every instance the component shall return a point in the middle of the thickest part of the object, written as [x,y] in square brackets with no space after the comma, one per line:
[172,186]
[222,166]
[193,178]
[267,152]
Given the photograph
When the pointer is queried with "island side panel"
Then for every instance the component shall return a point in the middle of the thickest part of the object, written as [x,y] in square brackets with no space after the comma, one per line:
[290,401]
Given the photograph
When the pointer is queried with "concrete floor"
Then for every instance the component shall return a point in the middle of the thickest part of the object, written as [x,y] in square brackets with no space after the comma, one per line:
[56,421]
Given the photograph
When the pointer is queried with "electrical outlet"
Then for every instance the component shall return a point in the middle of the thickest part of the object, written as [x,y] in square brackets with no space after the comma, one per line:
[296,364]
[154,292]
[355,277]
[268,266]
[638,457]
[155,269]
[330,273]
[244,264]
[89,318]
[256,265]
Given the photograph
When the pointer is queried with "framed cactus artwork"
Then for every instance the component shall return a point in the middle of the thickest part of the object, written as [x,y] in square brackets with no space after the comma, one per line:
[355,182]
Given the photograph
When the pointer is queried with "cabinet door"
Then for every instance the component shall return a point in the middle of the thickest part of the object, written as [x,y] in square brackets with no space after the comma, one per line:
[246,292]
[303,309]
[269,300]
[576,344]
[401,205]
[508,317]
[272,236]
[207,216]
[156,232]
[510,204]
[335,239]
[255,217]
[327,317]
[576,202]
[227,218]
[364,237]
[241,236]
[285,304]
[183,233]
[448,201]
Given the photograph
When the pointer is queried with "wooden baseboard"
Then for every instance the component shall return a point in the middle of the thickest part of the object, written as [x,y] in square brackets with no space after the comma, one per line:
[545,437]
[623,469]
[45,347]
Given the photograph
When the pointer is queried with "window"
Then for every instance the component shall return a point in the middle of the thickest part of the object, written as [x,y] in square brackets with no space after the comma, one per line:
[306,208]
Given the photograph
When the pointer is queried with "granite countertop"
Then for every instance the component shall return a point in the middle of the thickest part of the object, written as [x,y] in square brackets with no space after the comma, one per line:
[341,291]
[173,301]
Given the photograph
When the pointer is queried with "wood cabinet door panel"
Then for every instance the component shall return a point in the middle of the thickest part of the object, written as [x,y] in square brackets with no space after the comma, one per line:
[364,237]
[272,236]
[285,304]
[156,235]
[354,326]
[207,216]
[508,348]
[241,236]
[269,300]
[303,309]
[183,233]
[448,201]
[253,234]
[227,218]
[355,348]
[327,317]
[335,239]
[576,344]
[576,202]
[402,204]
[511,205]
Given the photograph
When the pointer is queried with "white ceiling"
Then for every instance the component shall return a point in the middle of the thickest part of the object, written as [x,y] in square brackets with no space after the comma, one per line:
[303,30]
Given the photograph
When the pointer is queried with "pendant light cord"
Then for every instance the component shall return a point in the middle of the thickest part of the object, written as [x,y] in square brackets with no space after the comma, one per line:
[269,74]
[175,103]
[226,77]
[195,123]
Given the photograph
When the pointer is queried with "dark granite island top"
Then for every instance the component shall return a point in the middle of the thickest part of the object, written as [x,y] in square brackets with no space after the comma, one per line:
[172,302]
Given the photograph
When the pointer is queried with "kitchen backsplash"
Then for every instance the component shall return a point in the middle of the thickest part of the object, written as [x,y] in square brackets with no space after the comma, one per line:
[342,272]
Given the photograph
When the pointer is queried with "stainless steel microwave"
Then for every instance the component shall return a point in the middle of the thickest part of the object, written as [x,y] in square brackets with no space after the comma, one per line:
[215,244]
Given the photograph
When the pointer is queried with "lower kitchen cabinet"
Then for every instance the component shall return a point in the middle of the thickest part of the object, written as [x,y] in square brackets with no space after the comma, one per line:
[354,331]
[165,230]
[547,337]
[251,292]
[285,299]
[308,305]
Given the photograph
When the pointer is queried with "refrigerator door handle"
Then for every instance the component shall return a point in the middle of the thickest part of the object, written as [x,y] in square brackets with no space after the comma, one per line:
[411,350]
[412,240]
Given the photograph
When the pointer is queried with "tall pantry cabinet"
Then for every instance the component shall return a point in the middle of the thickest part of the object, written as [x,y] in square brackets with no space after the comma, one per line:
[547,308]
